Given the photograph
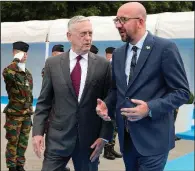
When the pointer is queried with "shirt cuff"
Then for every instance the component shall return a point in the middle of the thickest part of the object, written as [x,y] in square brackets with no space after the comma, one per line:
[105,140]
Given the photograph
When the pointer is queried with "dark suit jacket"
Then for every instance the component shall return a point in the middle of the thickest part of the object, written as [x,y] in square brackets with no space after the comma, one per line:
[71,120]
[160,80]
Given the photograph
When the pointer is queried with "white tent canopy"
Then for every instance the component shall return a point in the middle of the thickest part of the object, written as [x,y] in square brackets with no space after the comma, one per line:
[175,25]
[103,27]
[169,25]
[29,31]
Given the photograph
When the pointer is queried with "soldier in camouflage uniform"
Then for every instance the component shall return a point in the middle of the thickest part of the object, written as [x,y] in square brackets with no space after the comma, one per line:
[109,152]
[19,85]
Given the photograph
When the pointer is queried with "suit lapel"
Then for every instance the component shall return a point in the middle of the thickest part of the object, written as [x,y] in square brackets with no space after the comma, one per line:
[146,49]
[123,62]
[65,65]
[90,71]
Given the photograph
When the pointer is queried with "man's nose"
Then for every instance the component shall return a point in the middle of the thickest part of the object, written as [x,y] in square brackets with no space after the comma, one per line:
[88,36]
[118,25]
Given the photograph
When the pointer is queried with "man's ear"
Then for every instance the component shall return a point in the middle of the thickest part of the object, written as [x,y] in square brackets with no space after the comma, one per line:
[68,34]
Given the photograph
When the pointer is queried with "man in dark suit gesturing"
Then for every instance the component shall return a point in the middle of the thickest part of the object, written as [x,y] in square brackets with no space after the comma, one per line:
[71,85]
[149,83]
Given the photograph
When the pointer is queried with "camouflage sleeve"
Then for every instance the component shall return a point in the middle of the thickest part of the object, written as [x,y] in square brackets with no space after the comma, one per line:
[9,71]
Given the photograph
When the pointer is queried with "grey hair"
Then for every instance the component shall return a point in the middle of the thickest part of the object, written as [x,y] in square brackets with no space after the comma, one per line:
[75,20]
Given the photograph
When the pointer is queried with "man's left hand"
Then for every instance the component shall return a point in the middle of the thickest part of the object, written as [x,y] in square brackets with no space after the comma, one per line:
[98,146]
[136,113]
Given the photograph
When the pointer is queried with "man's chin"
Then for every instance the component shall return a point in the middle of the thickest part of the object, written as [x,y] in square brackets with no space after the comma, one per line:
[24,61]
[85,50]
[124,39]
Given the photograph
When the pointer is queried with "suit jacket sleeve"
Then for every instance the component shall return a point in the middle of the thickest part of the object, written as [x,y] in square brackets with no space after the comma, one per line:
[112,98]
[107,127]
[176,81]
[44,103]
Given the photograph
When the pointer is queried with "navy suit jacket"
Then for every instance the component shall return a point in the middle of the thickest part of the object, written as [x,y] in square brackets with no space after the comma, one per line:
[160,80]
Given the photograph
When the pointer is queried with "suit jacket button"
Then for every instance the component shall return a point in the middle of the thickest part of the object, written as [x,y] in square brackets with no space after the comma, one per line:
[127,98]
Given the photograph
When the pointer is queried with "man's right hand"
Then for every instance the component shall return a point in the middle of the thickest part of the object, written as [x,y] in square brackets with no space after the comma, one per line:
[38,145]
[102,110]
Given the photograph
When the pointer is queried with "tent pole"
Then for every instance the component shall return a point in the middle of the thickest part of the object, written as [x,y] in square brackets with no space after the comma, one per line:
[46,48]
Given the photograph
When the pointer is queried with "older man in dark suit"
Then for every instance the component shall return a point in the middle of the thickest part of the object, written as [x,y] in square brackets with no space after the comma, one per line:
[71,85]
[56,50]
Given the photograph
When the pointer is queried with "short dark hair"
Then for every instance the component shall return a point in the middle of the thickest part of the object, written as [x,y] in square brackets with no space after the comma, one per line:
[58,48]
[109,50]
[94,49]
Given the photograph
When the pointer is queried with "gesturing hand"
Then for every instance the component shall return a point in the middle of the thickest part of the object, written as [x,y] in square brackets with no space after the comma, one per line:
[136,113]
[102,110]
[98,146]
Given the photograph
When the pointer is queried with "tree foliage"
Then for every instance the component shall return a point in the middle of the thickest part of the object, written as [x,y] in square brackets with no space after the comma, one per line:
[48,10]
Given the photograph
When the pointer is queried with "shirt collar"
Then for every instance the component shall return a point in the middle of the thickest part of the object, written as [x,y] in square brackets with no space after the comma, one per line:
[73,55]
[140,43]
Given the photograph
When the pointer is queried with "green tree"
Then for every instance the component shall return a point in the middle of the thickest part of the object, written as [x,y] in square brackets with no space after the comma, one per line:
[22,11]
[48,10]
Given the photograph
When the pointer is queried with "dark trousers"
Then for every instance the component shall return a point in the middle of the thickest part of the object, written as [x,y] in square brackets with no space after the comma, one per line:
[134,161]
[113,141]
[81,161]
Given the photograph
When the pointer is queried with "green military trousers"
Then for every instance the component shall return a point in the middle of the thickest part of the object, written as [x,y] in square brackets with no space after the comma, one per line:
[17,135]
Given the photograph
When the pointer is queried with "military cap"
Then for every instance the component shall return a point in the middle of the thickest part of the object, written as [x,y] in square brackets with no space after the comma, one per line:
[21,46]
[94,49]
[109,50]
[58,48]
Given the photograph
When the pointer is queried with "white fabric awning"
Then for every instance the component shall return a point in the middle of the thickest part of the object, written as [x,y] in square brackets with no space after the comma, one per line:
[168,25]
[176,25]
[29,31]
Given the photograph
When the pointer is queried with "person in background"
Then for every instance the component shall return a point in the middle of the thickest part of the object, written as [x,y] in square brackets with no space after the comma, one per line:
[109,51]
[19,86]
[109,152]
[56,50]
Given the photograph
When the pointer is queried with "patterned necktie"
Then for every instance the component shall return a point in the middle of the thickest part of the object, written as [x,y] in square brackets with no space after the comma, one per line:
[133,62]
[76,76]
[132,67]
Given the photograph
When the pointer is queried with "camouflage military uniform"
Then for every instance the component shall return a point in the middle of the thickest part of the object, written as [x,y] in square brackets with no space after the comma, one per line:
[18,112]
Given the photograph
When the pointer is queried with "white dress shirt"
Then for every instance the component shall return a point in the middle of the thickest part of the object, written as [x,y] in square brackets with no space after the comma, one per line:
[139,45]
[84,67]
